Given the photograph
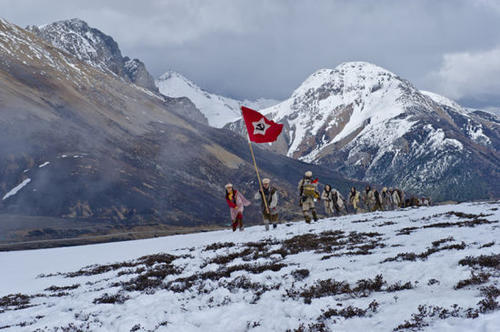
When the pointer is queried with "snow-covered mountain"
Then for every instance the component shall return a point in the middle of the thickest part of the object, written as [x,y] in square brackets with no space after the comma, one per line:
[425,269]
[217,109]
[370,124]
[95,48]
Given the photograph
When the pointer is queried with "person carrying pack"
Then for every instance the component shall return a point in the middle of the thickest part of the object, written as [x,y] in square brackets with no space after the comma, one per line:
[308,194]
[386,199]
[369,199]
[378,201]
[338,202]
[327,198]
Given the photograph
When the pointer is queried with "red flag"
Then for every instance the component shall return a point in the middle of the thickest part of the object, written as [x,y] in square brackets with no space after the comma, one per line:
[259,128]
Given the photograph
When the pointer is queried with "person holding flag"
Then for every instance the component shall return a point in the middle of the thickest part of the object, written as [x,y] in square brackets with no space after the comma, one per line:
[262,130]
[271,194]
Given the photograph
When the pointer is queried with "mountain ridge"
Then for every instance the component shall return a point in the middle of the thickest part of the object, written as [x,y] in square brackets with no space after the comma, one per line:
[92,46]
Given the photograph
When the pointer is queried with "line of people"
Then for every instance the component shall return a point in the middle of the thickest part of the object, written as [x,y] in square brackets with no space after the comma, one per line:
[334,203]
[373,200]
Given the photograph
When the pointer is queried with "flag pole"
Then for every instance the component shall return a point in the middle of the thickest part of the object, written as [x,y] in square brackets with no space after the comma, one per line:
[257,171]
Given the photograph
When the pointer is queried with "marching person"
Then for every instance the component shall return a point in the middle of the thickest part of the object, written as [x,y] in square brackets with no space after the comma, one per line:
[236,202]
[378,201]
[386,199]
[354,200]
[396,199]
[338,202]
[369,199]
[308,194]
[269,211]
[327,198]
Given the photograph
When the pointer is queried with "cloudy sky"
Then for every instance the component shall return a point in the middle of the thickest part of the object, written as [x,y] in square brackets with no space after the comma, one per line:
[261,48]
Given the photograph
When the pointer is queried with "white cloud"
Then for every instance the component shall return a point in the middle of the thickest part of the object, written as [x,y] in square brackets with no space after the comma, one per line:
[468,74]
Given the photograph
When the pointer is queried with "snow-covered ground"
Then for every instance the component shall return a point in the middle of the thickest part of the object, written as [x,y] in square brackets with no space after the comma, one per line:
[382,271]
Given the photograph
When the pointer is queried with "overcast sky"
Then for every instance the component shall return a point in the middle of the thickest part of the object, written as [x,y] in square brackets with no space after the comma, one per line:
[264,48]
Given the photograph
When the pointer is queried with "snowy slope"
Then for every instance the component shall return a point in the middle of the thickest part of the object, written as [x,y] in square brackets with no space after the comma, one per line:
[219,110]
[442,100]
[398,270]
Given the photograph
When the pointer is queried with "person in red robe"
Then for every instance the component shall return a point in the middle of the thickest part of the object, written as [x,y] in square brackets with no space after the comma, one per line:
[236,202]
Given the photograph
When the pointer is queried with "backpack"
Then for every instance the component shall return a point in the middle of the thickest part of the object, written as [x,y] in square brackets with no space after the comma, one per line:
[400,194]
[335,197]
[309,190]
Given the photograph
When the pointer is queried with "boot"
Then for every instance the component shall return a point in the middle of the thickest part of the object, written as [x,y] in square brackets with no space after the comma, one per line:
[308,220]
[315,216]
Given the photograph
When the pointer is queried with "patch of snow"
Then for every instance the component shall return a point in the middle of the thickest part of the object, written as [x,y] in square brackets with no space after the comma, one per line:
[476,133]
[44,164]
[16,189]
[437,139]
[445,101]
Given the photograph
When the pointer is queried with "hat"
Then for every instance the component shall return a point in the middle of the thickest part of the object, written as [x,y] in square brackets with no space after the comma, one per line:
[266,181]
[308,174]
[229,185]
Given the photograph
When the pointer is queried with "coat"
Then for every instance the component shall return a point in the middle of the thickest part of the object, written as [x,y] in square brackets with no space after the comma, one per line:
[395,198]
[327,198]
[354,199]
[238,200]
[340,199]
[272,199]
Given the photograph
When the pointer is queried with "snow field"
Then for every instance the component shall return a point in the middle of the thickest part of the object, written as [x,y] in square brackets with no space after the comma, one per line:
[263,290]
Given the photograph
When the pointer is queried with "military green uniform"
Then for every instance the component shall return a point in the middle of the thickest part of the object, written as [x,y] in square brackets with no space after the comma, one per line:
[308,195]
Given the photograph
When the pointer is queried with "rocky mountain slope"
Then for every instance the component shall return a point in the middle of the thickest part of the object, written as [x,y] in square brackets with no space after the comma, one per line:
[426,269]
[82,147]
[367,123]
[217,109]
[95,48]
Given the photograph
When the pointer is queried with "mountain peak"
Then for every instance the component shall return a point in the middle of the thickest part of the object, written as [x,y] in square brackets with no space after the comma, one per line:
[173,75]
[73,22]
[218,110]
[349,78]
[95,48]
